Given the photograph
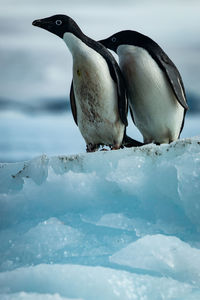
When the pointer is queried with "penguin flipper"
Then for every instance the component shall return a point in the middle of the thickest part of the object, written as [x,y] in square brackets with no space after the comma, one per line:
[73,104]
[131,112]
[117,76]
[121,91]
[173,76]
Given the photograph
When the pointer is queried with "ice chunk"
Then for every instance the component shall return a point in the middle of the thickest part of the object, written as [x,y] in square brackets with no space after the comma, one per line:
[49,236]
[139,225]
[12,175]
[89,283]
[109,225]
[166,255]
[34,296]
[48,241]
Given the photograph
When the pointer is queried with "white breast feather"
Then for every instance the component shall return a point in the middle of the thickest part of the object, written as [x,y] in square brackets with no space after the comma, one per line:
[95,94]
[157,113]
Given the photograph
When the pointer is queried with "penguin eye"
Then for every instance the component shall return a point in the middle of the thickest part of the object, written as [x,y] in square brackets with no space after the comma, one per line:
[113,39]
[58,22]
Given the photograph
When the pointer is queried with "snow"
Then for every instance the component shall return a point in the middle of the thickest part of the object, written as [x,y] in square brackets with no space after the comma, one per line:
[108,225]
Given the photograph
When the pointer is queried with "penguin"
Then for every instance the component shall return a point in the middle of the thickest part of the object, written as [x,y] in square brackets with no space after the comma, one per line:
[156,93]
[98,96]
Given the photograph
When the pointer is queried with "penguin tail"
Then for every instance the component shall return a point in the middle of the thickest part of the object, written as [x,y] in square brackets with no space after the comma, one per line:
[129,142]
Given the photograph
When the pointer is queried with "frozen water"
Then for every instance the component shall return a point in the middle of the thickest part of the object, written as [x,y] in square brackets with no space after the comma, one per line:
[166,255]
[34,296]
[108,225]
[95,283]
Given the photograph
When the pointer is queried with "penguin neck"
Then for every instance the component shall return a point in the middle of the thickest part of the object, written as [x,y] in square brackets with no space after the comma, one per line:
[134,55]
[75,45]
[128,49]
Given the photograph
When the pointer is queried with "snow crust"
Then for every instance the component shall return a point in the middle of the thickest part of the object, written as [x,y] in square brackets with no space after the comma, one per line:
[108,225]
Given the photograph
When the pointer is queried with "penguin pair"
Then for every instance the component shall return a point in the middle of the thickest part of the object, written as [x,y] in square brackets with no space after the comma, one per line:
[99,93]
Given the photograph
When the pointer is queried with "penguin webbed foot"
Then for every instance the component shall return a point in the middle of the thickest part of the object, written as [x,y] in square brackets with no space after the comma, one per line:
[95,147]
[115,147]
[128,142]
[92,147]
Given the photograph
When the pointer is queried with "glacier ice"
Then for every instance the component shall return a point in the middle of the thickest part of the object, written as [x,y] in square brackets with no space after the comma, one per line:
[166,255]
[108,225]
[34,296]
[95,283]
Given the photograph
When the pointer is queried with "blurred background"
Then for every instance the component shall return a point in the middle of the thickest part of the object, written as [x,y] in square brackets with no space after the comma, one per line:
[36,66]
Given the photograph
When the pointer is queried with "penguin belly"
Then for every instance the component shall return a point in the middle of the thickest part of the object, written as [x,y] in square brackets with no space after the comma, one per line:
[156,111]
[96,100]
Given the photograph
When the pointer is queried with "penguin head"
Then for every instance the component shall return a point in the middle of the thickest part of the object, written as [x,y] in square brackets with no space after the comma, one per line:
[58,24]
[126,37]
[112,42]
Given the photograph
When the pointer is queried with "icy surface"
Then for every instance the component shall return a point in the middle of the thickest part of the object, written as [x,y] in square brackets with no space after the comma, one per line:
[109,225]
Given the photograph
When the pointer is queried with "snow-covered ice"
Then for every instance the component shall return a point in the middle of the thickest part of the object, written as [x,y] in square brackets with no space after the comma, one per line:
[108,225]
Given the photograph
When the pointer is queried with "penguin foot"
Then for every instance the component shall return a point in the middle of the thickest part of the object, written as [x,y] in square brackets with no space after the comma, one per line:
[129,142]
[115,147]
[92,148]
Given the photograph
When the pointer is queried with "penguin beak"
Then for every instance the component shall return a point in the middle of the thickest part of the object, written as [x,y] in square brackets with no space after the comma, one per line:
[37,23]
[49,25]
[43,23]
